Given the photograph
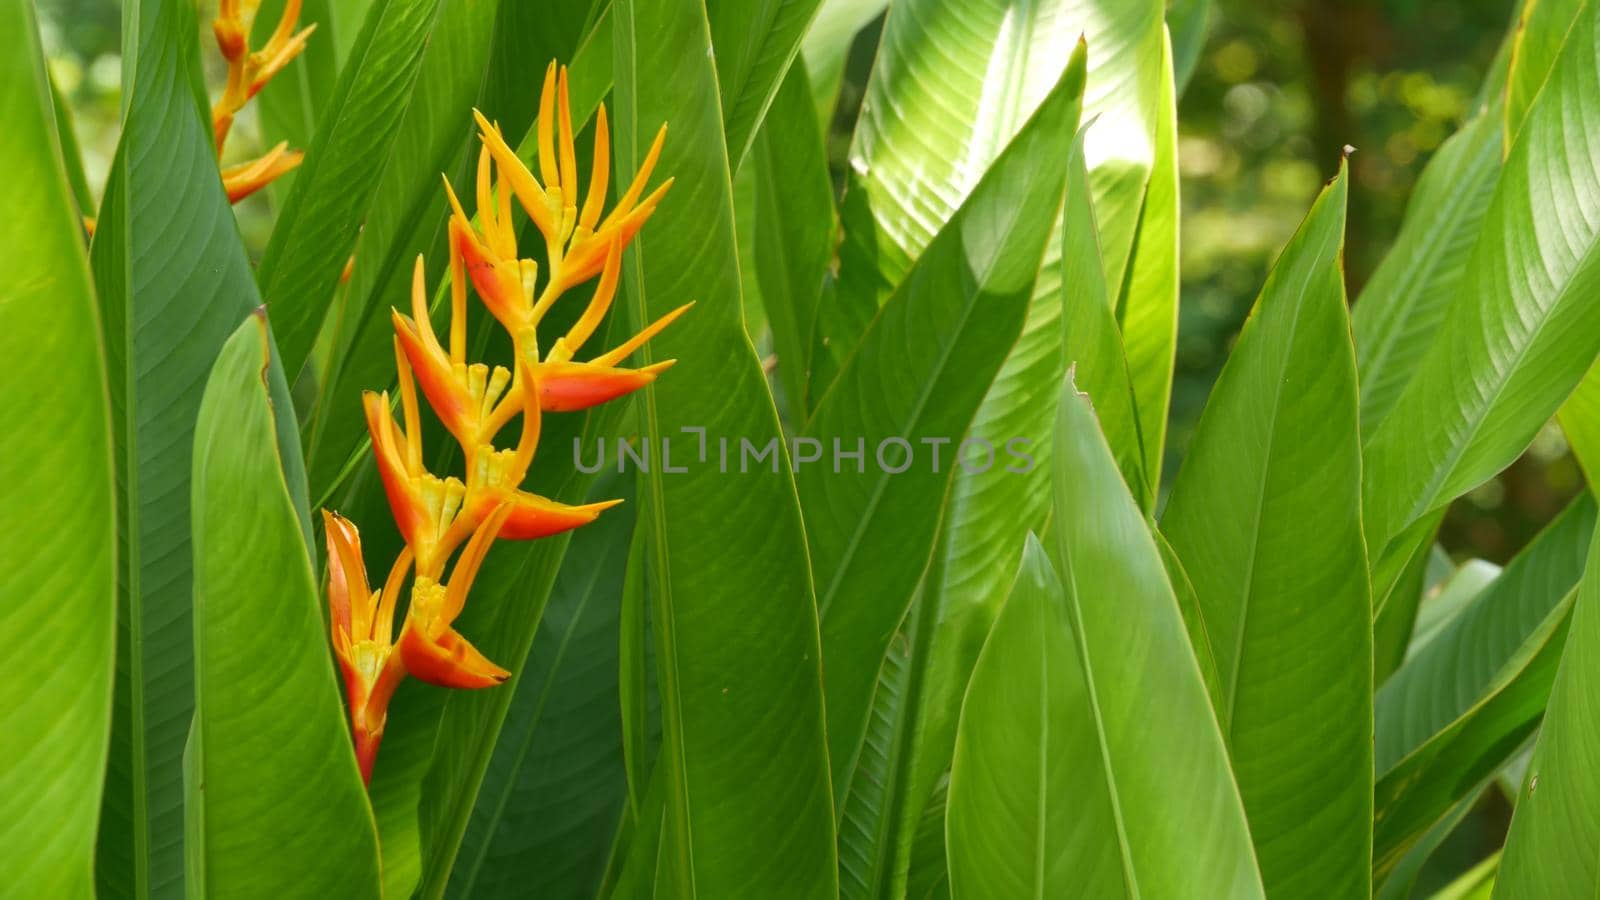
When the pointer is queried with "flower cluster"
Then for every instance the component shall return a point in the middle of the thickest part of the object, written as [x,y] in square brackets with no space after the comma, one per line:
[475,402]
[248,72]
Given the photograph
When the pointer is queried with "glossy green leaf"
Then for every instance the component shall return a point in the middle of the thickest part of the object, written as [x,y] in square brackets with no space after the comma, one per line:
[986,516]
[1458,708]
[1477,883]
[1265,515]
[269,754]
[755,41]
[951,83]
[1161,751]
[59,572]
[1147,308]
[173,282]
[1580,422]
[912,390]
[556,790]
[71,152]
[1030,809]
[1509,354]
[733,614]
[794,224]
[1399,312]
[1553,849]
[335,187]
[1397,607]
[1541,30]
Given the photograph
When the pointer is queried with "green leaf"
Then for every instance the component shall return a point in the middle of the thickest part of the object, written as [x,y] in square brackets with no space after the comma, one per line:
[1030,809]
[1553,848]
[1092,344]
[1147,309]
[986,517]
[734,618]
[1400,310]
[1541,29]
[1580,422]
[174,283]
[794,224]
[1456,710]
[1160,750]
[59,580]
[912,390]
[71,152]
[951,83]
[1477,883]
[271,760]
[755,41]
[335,187]
[1266,516]
[556,788]
[1523,335]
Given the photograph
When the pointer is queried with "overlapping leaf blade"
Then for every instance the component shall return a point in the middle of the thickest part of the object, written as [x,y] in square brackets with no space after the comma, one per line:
[755,41]
[732,603]
[1454,712]
[59,573]
[918,379]
[1030,809]
[1506,357]
[950,83]
[1553,849]
[336,185]
[1160,749]
[173,282]
[269,760]
[1265,515]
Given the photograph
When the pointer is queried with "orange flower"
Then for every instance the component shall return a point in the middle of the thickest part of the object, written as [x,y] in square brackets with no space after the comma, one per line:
[363,625]
[248,72]
[475,402]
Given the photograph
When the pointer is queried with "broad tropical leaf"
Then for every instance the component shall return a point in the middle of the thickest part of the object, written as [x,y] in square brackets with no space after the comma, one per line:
[755,42]
[1509,354]
[1265,515]
[1553,849]
[1030,808]
[794,224]
[59,576]
[173,282]
[269,761]
[951,83]
[1453,713]
[826,44]
[916,383]
[728,599]
[1399,311]
[1541,30]
[1161,751]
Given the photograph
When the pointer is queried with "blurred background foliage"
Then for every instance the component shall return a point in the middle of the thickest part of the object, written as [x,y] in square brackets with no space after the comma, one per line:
[1280,88]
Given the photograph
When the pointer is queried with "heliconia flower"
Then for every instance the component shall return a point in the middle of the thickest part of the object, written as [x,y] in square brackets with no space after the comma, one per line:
[248,72]
[429,647]
[246,178]
[476,401]
[363,625]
